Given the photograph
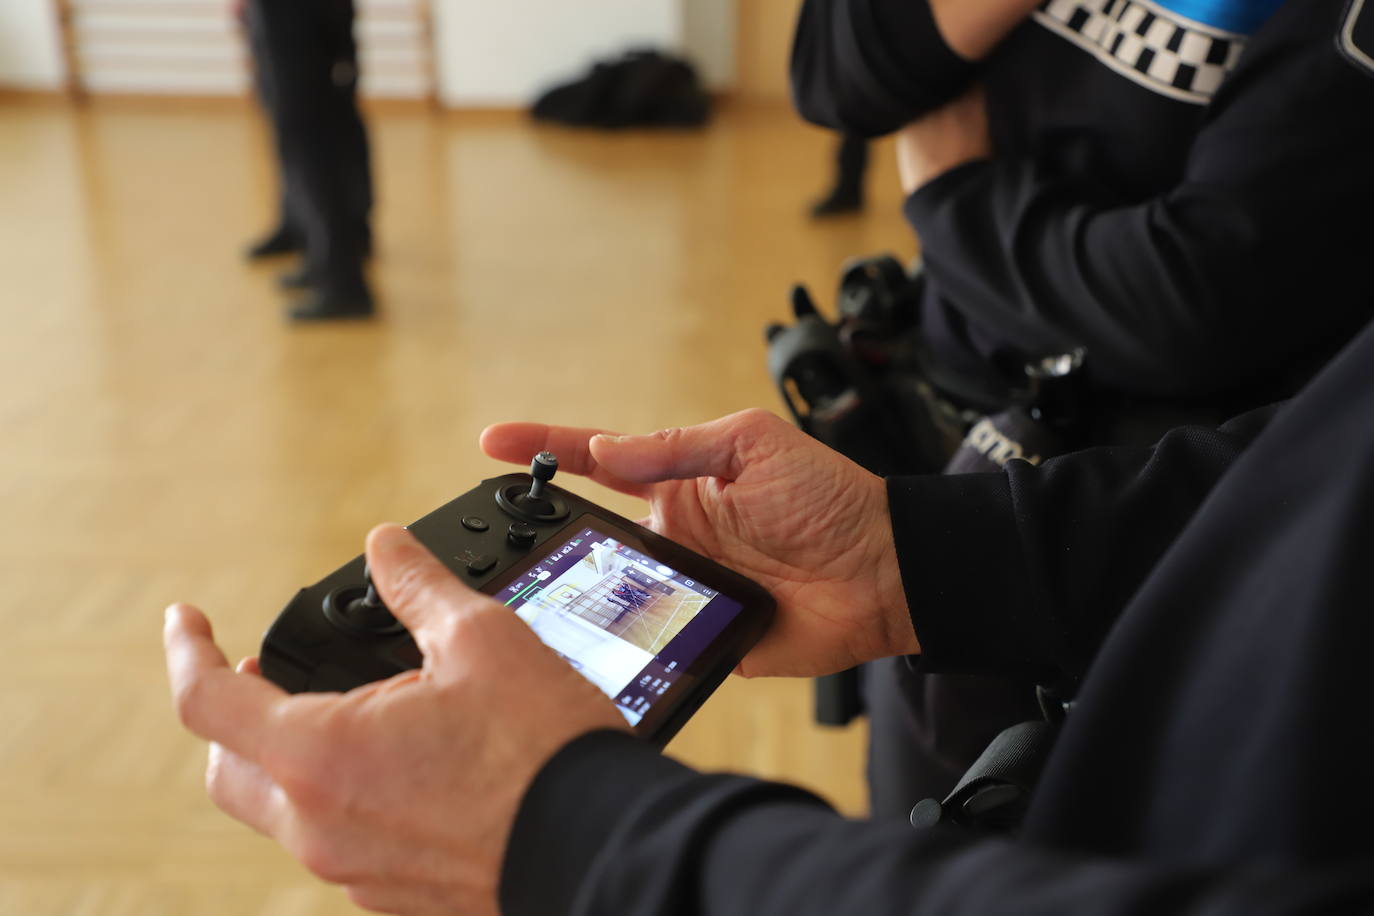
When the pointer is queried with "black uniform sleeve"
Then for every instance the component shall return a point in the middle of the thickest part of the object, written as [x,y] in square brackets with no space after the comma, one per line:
[1023,572]
[609,826]
[1260,252]
[869,67]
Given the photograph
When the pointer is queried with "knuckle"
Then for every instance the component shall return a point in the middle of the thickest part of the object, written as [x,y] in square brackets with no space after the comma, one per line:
[309,787]
[582,457]
[756,415]
[365,897]
[190,696]
[215,780]
[415,584]
[758,422]
[303,772]
[476,636]
[408,584]
[323,857]
[671,435]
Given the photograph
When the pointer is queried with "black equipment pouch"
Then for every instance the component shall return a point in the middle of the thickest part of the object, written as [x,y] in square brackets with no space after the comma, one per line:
[1040,426]
[866,386]
[995,792]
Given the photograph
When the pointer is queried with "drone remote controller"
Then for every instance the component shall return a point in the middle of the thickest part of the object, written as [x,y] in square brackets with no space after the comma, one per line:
[656,626]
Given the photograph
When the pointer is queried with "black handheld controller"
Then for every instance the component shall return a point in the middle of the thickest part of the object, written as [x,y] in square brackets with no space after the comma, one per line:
[656,626]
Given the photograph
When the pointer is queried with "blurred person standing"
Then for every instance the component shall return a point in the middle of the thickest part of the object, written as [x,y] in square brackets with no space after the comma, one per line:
[307,78]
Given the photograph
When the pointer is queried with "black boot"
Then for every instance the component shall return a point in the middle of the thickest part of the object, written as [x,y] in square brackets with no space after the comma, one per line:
[851,161]
[330,304]
[840,200]
[279,241]
[302,278]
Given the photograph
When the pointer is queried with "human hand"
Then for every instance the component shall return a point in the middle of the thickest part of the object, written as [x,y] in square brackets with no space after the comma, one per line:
[759,496]
[404,791]
[942,139]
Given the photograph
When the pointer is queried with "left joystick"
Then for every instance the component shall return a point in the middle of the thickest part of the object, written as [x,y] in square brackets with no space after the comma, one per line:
[360,610]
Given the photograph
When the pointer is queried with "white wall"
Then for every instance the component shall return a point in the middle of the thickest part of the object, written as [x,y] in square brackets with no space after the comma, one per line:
[30,45]
[708,38]
[488,53]
[503,53]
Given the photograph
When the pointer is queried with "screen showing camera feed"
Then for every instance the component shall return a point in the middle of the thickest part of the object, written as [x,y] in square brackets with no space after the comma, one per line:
[629,623]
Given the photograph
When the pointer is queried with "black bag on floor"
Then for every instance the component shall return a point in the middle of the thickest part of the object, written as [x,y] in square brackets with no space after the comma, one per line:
[640,89]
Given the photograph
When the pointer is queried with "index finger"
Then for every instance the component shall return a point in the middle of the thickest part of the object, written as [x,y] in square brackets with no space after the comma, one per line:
[211,700]
[519,442]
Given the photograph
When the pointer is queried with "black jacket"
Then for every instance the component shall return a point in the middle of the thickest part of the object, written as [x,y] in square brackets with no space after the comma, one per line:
[1209,599]
[1189,203]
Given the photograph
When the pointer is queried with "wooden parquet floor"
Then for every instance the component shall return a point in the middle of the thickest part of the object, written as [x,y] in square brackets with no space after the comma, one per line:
[165,435]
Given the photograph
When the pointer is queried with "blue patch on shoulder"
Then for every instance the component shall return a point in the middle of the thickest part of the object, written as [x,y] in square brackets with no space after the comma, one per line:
[1240,16]
[1356,37]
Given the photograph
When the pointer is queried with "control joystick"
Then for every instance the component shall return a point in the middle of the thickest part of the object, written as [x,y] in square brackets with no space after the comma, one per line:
[539,503]
[359,609]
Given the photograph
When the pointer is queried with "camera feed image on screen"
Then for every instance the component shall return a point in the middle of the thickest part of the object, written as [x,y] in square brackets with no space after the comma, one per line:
[627,622]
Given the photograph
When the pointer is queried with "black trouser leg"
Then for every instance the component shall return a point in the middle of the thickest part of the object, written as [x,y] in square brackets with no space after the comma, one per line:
[356,154]
[314,77]
[288,216]
[852,162]
[847,194]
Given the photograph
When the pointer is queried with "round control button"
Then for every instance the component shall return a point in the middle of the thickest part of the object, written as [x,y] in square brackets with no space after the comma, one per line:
[473,523]
[521,535]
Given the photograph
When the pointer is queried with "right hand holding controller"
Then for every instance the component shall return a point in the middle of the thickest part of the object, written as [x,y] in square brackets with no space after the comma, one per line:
[754,493]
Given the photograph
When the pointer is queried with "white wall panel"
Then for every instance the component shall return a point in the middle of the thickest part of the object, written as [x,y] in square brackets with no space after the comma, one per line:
[503,53]
[489,53]
[196,47]
[708,37]
[30,45]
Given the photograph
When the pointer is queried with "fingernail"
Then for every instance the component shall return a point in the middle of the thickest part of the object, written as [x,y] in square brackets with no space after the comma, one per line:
[607,437]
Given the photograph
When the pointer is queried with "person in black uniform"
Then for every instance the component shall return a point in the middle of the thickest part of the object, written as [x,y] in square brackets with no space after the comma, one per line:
[1177,188]
[1204,600]
[307,76]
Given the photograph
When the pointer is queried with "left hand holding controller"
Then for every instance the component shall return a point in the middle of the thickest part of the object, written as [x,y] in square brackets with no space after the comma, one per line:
[405,790]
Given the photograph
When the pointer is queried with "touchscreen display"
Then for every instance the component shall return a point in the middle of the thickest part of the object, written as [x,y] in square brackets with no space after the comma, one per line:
[629,623]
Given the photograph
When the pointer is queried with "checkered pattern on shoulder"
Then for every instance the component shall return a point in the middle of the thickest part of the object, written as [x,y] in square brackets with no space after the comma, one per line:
[1149,44]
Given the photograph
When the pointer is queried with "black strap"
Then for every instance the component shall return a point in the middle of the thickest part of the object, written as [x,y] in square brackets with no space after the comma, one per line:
[996,790]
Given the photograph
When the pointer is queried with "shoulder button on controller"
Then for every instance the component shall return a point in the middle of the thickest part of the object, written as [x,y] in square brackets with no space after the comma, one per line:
[473,523]
[521,535]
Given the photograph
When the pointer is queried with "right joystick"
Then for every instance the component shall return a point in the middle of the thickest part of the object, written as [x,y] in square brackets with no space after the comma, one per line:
[542,469]
[536,504]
